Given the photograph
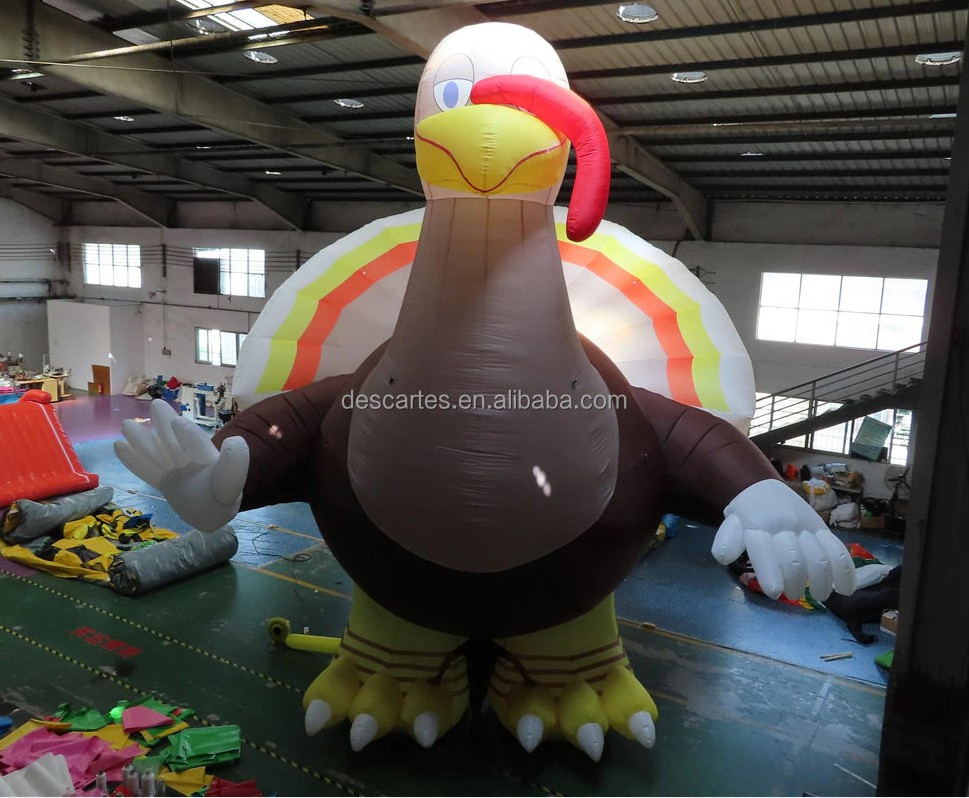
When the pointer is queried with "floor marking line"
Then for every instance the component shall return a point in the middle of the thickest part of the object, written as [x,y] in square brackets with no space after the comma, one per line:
[300,582]
[161,696]
[161,635]
[855,775]
[844,681]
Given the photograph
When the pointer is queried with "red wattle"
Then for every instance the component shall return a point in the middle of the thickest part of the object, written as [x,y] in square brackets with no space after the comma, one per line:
[563,110]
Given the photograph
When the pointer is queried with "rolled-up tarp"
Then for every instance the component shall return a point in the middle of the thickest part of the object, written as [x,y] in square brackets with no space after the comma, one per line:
[141,570]
[28,519]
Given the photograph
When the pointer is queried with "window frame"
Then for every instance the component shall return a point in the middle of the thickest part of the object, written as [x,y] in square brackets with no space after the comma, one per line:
[120,256]
[833,311]
[238,337]
[229,257]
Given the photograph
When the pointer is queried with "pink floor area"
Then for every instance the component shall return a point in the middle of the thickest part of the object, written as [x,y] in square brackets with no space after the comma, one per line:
[96,418]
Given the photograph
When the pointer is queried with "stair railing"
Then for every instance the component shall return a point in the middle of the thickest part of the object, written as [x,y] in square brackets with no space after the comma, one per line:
[885,373]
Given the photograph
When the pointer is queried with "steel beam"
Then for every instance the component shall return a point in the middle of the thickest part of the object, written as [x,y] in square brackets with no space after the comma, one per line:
[156,209]
[142,19]
[633,160]
[769,24]
[148,80]
[48,207]
[56,133]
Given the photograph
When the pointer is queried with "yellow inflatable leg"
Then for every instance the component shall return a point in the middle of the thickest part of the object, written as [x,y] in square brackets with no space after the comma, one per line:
[572,681]
[389,674]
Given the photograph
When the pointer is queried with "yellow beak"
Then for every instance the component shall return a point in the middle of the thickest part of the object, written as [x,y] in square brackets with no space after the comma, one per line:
[489,149]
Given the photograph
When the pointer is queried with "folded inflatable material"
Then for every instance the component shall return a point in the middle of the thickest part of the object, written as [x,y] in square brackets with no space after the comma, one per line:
[135,572]
[38,460]
[27,520]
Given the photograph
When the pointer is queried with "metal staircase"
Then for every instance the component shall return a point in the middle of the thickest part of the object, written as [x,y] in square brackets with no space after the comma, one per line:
[887,381]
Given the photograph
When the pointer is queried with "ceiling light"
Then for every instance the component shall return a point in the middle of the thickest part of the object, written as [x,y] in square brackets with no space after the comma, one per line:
[636,13]
[938,59]
[942,116]
[750,154]
[726,124]
[203,146]
[124,118]
[25,74]
[272,172]
[260,57]
[346,102]
[206,28]
[689,77]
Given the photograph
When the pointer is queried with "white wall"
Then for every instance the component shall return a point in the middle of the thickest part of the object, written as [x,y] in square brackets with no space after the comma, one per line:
[169,309]
[26,262]
[737,270]
[80,336]
[845,238]
[127,344]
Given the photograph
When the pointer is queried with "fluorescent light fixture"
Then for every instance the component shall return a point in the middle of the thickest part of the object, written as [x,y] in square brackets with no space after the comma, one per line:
[260,57]
[750,154]
[942,116]
[272,172]
[938,59]
[637,13]
[726,124]
[22,73]
[203,146]
[125,118]
[347,102]
[689,77]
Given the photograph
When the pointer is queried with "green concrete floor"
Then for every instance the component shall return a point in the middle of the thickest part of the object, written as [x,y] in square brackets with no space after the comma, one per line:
[731,723]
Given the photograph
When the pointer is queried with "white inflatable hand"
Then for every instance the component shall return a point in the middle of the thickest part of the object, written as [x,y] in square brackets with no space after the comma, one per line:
[788,544]
[203,484]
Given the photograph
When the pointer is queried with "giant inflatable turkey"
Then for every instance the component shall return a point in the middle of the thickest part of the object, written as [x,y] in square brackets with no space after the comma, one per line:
[486,474]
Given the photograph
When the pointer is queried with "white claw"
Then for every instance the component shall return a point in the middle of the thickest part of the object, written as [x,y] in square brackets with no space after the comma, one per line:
[318,714]
[530,731]
[641,727]
[591,739]
[426,729]
[362,731]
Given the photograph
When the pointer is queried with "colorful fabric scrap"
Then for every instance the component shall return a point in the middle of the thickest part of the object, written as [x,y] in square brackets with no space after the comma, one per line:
[204,746]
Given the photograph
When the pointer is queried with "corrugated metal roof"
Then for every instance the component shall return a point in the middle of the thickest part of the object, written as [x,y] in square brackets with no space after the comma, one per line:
[828,90]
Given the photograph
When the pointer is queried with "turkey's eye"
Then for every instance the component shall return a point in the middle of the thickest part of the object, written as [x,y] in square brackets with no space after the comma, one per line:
[453,81]
[452,93]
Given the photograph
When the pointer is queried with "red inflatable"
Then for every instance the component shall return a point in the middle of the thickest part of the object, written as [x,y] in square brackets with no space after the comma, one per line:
[39,461]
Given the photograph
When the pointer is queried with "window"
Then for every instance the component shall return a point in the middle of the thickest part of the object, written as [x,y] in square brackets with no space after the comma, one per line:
[217,347]
[830,310]
[242,272]
[112,264]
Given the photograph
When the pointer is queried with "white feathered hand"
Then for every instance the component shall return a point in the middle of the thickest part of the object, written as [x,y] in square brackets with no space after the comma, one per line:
[203,484]
[788,543]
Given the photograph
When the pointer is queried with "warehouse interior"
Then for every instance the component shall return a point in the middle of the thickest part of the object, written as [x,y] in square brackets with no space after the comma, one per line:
[166,165]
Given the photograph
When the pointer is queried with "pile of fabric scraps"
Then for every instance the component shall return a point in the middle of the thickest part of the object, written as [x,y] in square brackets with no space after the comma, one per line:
[126,751]
[744,571]
[84,548]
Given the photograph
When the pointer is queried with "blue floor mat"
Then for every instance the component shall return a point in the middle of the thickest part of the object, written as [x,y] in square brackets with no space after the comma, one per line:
[678,586]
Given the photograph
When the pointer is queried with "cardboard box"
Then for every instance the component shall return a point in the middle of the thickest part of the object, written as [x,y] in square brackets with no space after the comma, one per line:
[873,522]
[889,622]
